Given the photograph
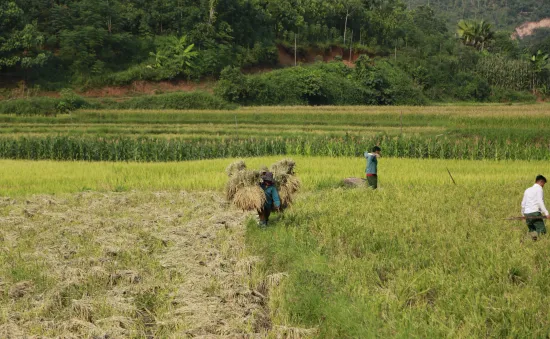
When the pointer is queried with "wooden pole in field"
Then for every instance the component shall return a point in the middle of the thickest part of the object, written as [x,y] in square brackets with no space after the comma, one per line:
[401,120]
[451,176]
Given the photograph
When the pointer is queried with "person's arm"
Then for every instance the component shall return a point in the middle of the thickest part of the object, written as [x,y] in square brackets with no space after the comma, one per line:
[276,199]
[523,202]
[367,154]
[540,202]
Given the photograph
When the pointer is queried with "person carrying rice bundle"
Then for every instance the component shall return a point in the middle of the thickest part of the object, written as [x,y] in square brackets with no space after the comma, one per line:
[272,199]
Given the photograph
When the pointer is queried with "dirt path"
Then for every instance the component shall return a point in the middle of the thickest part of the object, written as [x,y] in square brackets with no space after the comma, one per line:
[114,265]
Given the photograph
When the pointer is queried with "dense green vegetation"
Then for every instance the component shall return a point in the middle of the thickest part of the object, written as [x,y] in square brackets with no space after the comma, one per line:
[69,101]
[83,43]
[447,132]
[327,84]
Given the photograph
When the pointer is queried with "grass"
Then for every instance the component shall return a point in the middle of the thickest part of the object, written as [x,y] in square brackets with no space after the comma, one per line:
[22,178]
[489,120]
[420,257]
[461,132]
[103,248]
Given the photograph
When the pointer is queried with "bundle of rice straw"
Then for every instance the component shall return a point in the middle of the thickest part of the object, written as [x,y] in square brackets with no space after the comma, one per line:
[243,186]
[285,166]
[249,198]
[287,184]
[234,167]
[240,179]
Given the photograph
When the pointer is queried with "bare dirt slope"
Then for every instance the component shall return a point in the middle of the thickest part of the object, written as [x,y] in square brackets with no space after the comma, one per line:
[130,264]
[529,27]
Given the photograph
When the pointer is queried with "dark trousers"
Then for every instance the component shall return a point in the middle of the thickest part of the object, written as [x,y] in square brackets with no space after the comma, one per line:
[372,181]
[264,214]
[535,224]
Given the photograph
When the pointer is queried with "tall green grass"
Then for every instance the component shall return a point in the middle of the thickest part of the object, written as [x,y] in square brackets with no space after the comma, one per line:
[31,106]
[162,149]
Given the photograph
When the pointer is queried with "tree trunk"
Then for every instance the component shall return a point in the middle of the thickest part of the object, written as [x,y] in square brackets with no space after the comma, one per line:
[351,46]
[346,25]
[212,12]
[295,47]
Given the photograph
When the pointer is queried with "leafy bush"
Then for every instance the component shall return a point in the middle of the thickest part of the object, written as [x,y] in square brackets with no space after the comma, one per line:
[70,101]
[258,55]
[232,85]
[508,95]
[31,106]
[319,84]
[388,84]
[134,73]
[177,100]
[471,87]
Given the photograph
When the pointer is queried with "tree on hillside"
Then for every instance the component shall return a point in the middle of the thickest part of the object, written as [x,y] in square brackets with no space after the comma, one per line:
[288,15]
[349,7]
[175,57]
[20,44]
[476,34]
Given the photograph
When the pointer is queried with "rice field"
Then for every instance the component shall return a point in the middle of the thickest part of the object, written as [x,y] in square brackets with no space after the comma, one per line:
[446,132]
[420,257]
[133,238]
[287,121]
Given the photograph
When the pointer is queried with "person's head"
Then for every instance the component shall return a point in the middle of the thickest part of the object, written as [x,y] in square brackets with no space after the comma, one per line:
[267,178]
[541,180]
[376,150]
[263,170]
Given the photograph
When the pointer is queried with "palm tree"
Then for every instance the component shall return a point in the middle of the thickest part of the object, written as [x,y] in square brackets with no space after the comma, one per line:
[476,34]
[176,57]
[183,54]
[466,31]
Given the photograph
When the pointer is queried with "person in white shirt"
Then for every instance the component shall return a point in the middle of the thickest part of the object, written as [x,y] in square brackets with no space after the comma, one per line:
[532,206]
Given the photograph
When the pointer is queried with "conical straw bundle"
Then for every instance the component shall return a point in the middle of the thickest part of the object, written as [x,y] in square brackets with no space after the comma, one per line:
[285,166]
[249,198]
[235,167]
[240,179]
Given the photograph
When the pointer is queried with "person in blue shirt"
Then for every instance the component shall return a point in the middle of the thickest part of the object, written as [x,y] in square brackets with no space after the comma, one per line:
[372,166]
[271,198]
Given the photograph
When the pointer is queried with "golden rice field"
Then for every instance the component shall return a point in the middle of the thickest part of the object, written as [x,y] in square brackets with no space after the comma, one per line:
[96,249]
[151,249]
